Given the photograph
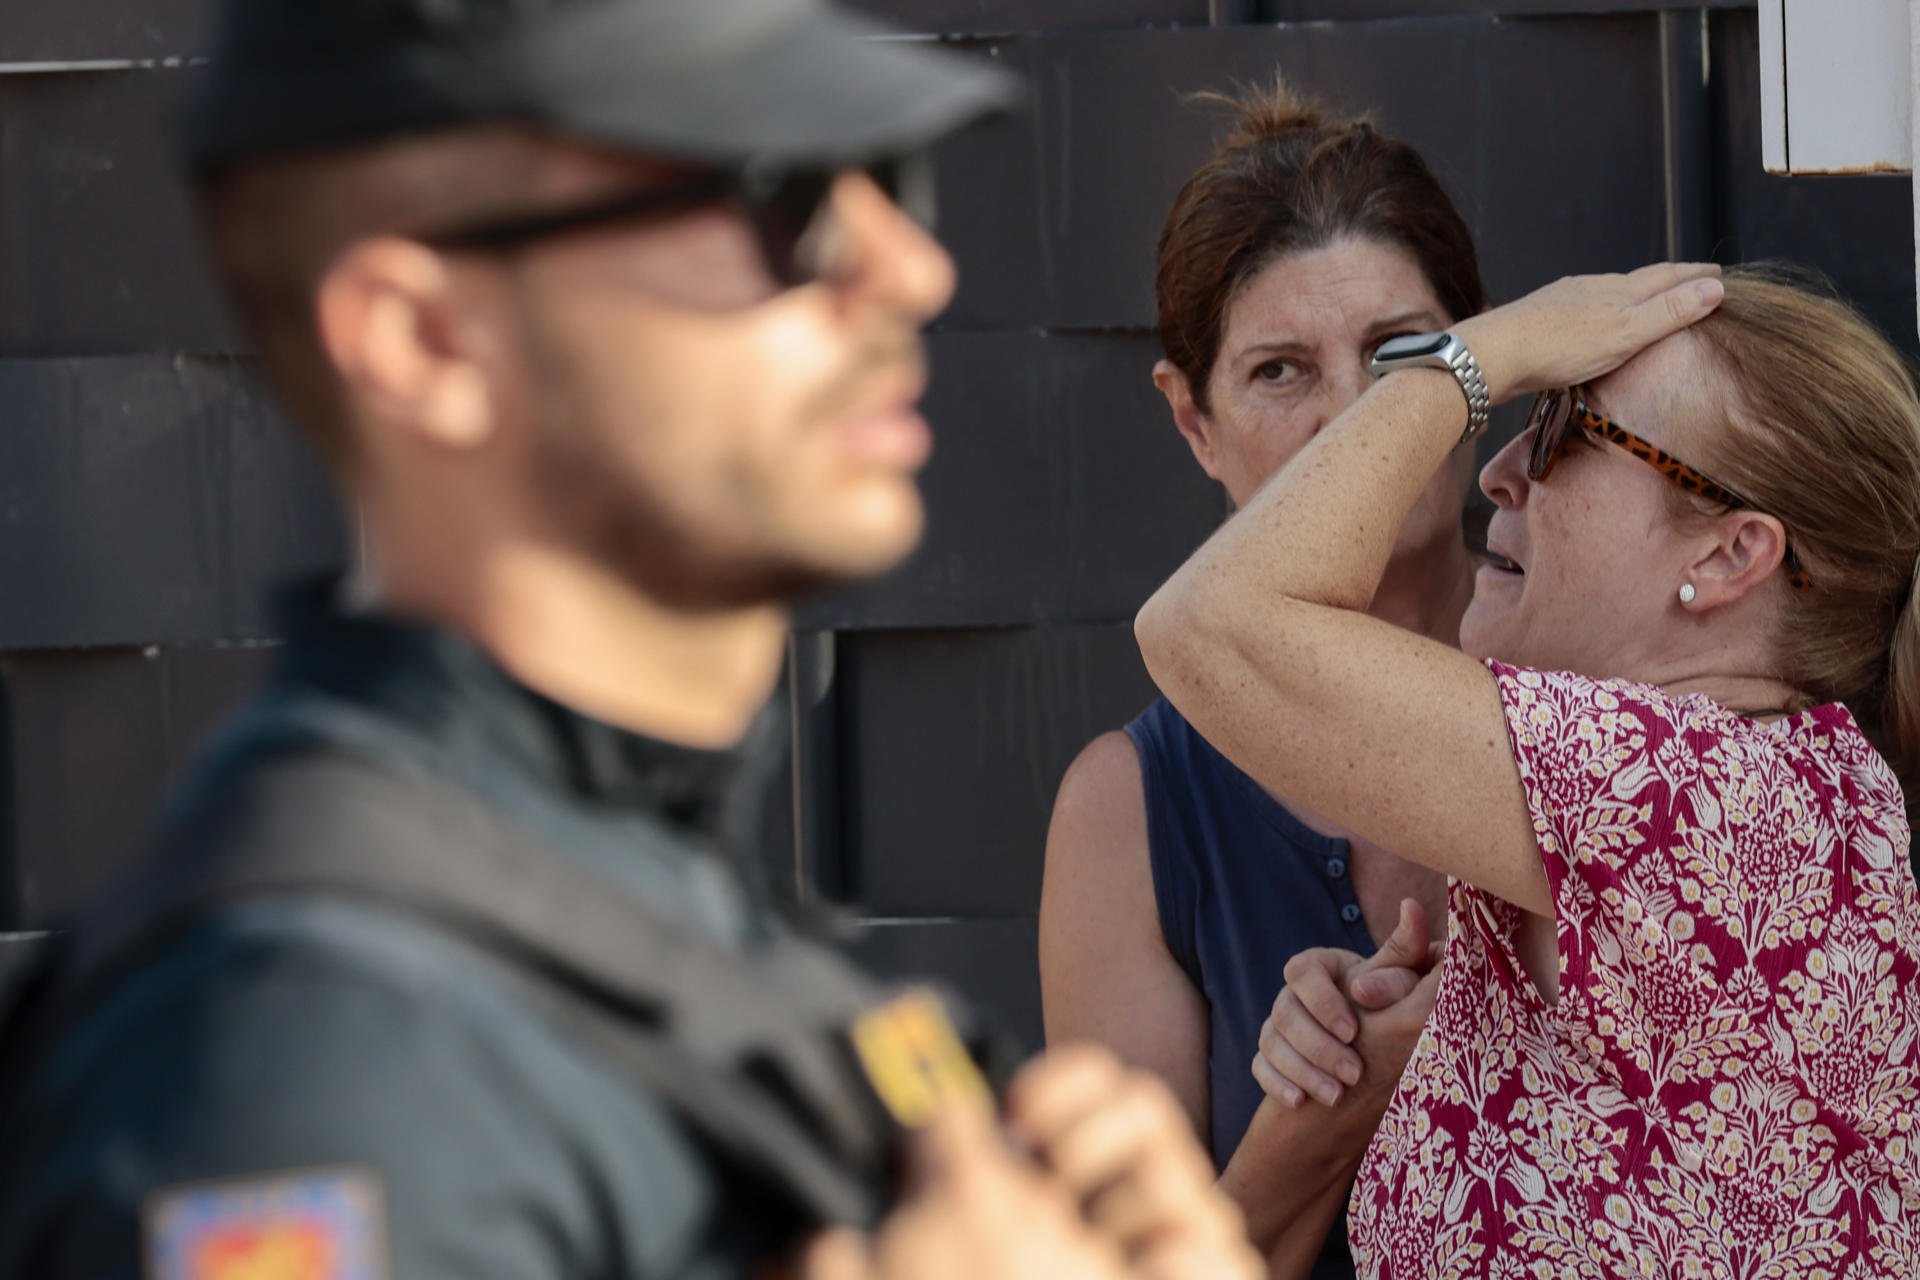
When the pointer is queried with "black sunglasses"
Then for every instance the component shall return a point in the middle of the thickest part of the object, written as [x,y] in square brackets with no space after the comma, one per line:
[786,207]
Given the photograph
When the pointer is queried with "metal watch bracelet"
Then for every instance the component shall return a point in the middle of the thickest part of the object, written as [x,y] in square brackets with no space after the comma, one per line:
[1440,351]
[1473,384]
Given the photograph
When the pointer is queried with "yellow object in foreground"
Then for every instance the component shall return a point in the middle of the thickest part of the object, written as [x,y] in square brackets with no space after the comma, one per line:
[915,1061]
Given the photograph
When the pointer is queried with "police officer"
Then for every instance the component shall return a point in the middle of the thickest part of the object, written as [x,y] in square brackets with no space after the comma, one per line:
[605,314]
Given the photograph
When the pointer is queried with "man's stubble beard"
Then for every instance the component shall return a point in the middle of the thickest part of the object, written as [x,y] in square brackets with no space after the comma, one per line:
[665,556]
[579,481]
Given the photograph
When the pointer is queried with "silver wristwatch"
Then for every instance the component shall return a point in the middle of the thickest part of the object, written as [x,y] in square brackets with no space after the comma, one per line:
[1440,351]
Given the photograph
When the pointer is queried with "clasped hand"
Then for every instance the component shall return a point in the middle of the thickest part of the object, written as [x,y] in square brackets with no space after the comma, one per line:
[1346,1022]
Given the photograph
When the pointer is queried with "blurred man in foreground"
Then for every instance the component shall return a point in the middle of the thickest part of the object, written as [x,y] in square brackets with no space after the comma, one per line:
[606,315]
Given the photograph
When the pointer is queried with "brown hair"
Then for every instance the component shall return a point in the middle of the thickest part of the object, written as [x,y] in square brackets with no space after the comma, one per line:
[1289,177]
[1823,432]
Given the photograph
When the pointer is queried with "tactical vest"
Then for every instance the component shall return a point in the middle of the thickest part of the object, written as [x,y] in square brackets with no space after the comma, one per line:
[800,1075]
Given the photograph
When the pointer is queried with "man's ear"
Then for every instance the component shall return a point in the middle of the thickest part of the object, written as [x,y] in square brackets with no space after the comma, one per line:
[1196,428]
[1750,546]
[394,329]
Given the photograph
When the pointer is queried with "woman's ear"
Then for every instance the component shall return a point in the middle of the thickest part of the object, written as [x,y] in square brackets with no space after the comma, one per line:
[398,339]
[1196,428]
[1749,548]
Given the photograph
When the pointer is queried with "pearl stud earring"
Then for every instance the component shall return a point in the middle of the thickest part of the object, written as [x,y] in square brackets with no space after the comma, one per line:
[1686,593]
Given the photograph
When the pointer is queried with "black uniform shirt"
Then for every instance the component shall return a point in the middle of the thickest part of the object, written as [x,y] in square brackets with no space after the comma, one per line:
[316,1053]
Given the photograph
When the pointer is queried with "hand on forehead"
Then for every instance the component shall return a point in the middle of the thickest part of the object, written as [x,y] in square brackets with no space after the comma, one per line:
[1667,395]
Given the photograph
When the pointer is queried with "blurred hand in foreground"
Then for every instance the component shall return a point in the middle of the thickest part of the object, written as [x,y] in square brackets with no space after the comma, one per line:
[1116,1140]
[975,1209]
[1116,1185]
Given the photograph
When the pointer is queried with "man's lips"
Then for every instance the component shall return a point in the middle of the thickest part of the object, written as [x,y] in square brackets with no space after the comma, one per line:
[884,427]
[897,438]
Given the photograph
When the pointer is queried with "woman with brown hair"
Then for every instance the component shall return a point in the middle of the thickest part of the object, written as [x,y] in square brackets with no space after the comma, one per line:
[1678,1024]
[1177,889]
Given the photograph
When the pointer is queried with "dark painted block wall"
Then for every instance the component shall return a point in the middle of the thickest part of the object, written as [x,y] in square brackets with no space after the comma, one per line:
[150,495]
[94,225]
[1856,231]
[91,739]
[93,31]
[150,499]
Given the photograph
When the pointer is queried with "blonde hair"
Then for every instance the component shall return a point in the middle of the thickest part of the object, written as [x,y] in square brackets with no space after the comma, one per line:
[1823,432]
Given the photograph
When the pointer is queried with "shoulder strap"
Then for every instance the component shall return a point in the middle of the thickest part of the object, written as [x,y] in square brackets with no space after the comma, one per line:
[749,1048]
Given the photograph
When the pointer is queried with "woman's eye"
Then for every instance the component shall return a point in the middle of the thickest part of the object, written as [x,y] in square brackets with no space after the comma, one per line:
[1276,371]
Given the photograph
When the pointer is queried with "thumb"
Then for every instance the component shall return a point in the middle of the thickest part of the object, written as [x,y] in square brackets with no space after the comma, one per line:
[1677,307]
[958,1144]
[1406,947]
[1383,988]
[1391,973]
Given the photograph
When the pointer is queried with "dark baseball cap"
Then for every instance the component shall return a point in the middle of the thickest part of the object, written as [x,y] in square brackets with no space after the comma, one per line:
[719,81]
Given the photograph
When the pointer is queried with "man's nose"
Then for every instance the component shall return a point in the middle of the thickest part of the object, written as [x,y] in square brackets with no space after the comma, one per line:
[883,256]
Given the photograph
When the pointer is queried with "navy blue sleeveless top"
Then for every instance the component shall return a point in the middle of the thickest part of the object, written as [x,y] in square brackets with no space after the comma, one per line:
[1242,886]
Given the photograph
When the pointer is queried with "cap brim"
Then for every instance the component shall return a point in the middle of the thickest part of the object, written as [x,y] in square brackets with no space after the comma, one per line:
[825,86]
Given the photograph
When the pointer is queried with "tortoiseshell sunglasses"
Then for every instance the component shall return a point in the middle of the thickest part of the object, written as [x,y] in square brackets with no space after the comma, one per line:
[1557,413]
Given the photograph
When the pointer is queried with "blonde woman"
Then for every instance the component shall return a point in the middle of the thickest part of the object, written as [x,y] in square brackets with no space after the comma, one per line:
[1676,1026]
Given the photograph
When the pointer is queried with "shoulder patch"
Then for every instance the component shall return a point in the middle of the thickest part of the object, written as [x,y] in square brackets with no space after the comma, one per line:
[308,1224]
[915,1061]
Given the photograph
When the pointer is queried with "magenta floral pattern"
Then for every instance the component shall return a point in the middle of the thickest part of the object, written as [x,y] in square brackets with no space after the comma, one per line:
[1728,1085]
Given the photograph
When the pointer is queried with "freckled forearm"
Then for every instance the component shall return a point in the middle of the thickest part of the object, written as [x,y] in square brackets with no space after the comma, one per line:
[1318,535]
[1291,1172]
[1321,530]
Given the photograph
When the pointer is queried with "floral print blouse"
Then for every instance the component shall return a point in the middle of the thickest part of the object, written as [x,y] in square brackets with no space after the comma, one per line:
[1728,1084]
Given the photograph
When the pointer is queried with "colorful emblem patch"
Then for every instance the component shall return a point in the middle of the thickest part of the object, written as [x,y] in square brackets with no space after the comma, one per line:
[320,1224]
[915,1060]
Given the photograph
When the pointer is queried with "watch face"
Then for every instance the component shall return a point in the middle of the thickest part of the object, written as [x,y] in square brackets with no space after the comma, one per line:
[1411,347]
